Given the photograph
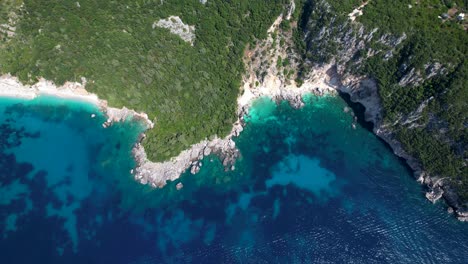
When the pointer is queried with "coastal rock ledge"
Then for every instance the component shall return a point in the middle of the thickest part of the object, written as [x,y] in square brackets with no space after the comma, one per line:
[272,84]
[364,91]
[158,173]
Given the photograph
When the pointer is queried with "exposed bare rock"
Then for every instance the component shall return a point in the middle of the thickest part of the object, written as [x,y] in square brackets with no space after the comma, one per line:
[267,63]
[434,194]
[357,11]
[195,168]
[274,85]
[413,77]
[352,44]
[158,173]
[364,90]
[462,215]
[118,115]
[177,27]
[9,29]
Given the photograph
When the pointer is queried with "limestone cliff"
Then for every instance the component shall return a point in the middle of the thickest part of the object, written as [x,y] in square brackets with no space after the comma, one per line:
[353,52]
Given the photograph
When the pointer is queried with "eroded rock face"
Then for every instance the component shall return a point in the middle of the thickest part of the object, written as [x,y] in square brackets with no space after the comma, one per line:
[365,91]
[351,44]
[265,78]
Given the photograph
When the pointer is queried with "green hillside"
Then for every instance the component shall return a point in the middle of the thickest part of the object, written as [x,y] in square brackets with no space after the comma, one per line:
[189,91]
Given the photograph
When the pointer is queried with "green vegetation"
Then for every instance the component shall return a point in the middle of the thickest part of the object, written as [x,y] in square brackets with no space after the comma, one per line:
[433,52]
[189,91]
[285,25]
[430,40]
[7,7]
[279,62]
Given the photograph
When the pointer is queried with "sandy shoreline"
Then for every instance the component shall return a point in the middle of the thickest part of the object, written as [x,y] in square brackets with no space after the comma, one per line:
[10,86]
[273,85]
[157,174]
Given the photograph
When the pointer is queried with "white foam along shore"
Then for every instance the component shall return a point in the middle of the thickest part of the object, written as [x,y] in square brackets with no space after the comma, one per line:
[10,86]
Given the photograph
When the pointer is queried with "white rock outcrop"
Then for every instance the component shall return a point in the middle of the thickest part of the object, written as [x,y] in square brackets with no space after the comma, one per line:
[178,27]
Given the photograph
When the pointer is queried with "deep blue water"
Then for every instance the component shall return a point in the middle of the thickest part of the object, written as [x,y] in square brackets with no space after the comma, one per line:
[308,189]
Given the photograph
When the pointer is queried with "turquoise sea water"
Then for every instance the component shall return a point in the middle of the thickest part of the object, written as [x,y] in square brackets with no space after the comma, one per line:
[308,188]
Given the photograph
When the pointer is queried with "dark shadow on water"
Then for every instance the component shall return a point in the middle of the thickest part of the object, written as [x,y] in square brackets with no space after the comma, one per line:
[359,111]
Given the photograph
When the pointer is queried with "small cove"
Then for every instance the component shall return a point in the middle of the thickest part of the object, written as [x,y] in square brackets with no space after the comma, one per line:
[307,187]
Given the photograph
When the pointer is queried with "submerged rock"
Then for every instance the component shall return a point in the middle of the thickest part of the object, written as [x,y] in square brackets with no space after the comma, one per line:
[435,194]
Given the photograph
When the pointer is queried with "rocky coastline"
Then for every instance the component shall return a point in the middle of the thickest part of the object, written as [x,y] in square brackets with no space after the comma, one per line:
[262,79]
[265,78]
[272,84]
[364,91]
[351,38]
[157,174]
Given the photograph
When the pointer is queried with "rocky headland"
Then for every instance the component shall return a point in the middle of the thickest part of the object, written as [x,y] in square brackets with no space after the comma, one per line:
[271,84]
[267,75]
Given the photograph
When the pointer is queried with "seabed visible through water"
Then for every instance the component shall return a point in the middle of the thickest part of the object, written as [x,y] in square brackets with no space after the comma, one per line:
[308,188]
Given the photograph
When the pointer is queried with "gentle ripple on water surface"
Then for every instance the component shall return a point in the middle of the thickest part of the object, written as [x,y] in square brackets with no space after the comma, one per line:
[308,189]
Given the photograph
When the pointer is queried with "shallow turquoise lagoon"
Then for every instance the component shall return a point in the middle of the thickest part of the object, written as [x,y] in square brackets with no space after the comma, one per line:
[307,188]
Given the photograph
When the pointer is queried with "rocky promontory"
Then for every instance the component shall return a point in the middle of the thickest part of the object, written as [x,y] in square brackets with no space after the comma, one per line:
[271,84]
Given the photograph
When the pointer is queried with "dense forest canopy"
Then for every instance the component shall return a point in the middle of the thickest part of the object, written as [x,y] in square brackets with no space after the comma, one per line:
[189,91]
